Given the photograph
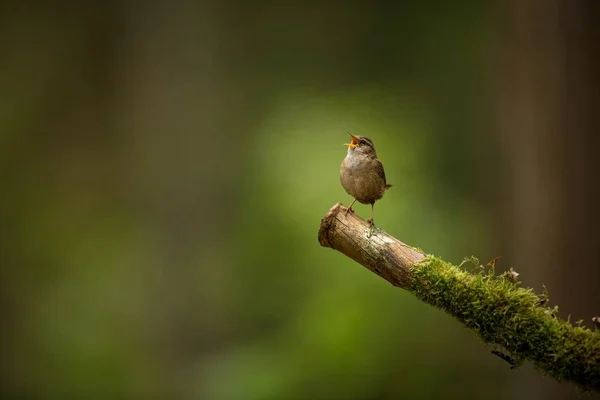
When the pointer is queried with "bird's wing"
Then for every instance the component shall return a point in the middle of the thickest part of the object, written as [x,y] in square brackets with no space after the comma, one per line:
[379,168]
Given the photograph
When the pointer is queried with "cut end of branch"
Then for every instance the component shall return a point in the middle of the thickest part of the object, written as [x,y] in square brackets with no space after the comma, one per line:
[369,246]
[326,223]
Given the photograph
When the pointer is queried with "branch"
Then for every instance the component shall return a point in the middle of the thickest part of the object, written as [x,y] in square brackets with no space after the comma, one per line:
[503,315]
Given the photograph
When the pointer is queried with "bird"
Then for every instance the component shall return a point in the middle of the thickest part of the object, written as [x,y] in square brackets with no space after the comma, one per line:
[362,174]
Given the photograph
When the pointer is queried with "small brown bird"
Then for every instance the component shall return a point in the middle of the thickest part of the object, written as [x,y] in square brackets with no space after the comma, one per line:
[362,174]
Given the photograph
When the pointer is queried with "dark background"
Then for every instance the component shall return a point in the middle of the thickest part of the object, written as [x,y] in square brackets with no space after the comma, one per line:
[165,165]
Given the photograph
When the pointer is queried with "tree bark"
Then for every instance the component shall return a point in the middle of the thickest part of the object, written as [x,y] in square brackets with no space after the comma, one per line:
[381,253]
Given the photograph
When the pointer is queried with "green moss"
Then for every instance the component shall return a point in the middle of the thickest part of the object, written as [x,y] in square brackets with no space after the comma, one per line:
[513,318]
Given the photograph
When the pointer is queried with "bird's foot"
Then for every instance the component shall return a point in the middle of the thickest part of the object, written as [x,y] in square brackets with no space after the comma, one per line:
[372,228]
[349,210]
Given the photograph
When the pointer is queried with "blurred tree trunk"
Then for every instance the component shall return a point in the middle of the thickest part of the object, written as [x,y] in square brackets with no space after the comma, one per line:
[188,117]
[547,79]
[136,108]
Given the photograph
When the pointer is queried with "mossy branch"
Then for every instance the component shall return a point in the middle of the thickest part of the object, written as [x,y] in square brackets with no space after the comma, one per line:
[502,314]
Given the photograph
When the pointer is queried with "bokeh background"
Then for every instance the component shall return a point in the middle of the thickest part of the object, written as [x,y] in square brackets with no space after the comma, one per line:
[165,165]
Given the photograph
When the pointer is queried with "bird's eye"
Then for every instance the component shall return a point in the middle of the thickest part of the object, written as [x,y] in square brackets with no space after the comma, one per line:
[363,141]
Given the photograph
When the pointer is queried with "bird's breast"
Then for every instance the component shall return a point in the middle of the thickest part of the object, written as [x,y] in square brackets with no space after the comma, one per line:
[361,180]
[353,163]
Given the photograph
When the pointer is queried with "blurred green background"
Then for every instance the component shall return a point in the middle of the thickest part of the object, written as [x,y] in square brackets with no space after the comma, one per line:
[165,166]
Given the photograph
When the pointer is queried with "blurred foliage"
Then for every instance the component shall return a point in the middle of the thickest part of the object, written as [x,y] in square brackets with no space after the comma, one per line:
[155,241]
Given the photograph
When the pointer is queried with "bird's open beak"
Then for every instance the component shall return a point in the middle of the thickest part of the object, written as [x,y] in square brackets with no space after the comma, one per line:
[353,142]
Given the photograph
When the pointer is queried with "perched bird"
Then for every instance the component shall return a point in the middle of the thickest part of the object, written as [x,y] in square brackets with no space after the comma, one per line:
[362,174]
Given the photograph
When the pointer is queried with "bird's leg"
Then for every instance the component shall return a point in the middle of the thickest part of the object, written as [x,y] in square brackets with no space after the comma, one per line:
[349,209]
[371,220]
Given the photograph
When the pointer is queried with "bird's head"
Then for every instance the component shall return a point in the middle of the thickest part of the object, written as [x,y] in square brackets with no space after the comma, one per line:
[361,145]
